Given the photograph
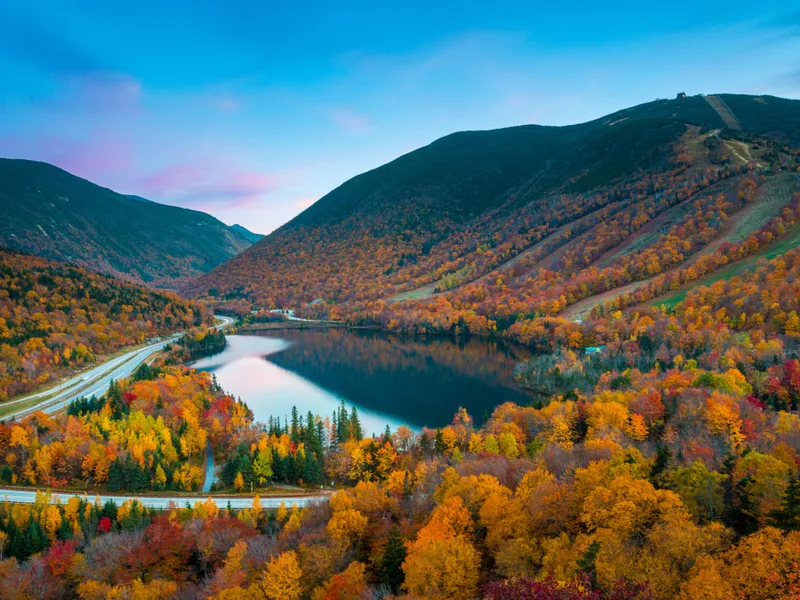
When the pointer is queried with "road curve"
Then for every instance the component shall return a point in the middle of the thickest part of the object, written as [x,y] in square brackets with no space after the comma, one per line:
[96,380]
[236,502]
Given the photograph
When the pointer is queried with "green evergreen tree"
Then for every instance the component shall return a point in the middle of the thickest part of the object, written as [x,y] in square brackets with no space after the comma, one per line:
[588,562]
[439,443]
[65,532]
[35,538]
[109,510]
[660,464]
[335,428]
[787,517]
[116,476]
[294,433]
[343,424]
[390,570]
[279,468]
[313,470]
[299,467]
[321,435]
[741,515]
[356,432]
[16,540]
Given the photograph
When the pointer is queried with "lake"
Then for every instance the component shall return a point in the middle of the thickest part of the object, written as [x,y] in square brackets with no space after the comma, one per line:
[391,380]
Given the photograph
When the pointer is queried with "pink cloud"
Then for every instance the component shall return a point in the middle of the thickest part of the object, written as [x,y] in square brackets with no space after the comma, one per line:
[351,120]
[95,157]
[207,183]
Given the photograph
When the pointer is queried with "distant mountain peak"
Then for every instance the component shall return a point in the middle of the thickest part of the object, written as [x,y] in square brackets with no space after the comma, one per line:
[246,233]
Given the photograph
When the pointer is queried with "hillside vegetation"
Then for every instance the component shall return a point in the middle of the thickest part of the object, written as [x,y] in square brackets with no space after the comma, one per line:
[663,466]
[481,230]
[51,213]
[56,318]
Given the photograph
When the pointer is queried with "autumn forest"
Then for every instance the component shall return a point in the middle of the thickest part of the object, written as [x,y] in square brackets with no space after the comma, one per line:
[646,267]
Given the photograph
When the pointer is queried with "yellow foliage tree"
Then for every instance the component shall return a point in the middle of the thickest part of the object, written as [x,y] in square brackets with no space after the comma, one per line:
[281,578]
[441,565]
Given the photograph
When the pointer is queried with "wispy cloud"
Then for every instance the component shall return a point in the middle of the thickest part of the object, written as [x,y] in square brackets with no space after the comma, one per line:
[95,157]
[207,183]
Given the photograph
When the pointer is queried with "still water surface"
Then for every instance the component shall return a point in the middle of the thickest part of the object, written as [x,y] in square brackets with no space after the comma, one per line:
[392,380]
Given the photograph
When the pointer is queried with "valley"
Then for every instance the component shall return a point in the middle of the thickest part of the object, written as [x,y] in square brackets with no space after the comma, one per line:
[531,362]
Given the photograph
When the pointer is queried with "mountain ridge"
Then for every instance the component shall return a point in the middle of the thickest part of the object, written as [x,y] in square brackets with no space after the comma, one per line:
[434,211]
[58,215]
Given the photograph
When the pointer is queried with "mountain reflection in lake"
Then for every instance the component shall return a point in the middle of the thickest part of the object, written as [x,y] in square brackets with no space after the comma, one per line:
[392,380]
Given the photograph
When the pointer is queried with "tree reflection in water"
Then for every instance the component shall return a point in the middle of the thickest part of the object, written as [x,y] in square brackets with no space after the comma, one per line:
[419,381]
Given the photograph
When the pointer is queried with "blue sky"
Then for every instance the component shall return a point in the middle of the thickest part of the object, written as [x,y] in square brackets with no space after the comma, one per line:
[252,111]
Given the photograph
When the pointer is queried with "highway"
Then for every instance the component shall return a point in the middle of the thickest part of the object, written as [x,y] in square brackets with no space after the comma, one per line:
[236,502]
[96,380]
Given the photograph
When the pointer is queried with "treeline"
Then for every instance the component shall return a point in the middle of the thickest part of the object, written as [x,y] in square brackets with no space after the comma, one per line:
[294,452]
[195,345]
[27,530]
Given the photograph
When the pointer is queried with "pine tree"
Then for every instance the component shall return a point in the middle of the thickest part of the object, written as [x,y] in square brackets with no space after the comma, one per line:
[390,570]
[356,432]
[35,539]
[278,466]
[116,476]
[787,517]
[299,466]
[588,562]
[741,516]
[16,540]
[109,510]
[321,435]
[313,470]
[439,443]
[335,428]
[311,437]
[295,431]
[65,531]
[136,518]
[343,424]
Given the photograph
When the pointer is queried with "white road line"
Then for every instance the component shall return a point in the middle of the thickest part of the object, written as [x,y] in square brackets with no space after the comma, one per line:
[236,502]
[97,380]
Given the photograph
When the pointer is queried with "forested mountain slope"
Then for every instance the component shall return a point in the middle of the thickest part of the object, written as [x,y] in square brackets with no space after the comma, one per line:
[466,205]
[49,212]
[56,317]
